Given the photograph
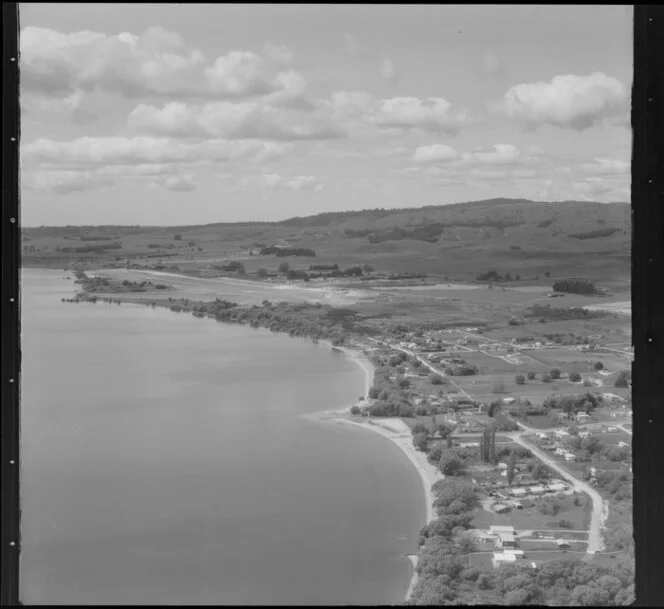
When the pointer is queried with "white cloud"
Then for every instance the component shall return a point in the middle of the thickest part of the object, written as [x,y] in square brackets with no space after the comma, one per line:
[431,114]
[568,101]
[435,153]
[297,183]
[248,120]
[388,71]
[496,155]
[183,183]
[63,182]
[607,167]
[157,63]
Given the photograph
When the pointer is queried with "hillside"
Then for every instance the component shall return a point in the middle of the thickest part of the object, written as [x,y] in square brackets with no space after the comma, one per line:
[571,238]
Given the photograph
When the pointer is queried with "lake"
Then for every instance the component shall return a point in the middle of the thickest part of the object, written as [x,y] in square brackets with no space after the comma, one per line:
[165,460]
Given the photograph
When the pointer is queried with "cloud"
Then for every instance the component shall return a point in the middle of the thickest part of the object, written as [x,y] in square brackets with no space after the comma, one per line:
[607,167]
[177,183]
[63,182]
[498,154]
[388,71]
[246,121]
[435,153]
[275,180]
[432,114]
[158,63]
[568,101]
[86,151]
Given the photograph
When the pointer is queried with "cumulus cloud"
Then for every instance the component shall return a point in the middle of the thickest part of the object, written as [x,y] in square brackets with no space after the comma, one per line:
[498,154]
[435,153]
[177,183]
[607,167]
[228,120]
[158,63]
[568,101]
[64,182]
[432,114]
[297,183]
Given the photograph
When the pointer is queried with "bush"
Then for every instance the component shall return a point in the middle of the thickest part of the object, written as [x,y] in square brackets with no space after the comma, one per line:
[555,373]
[587,383]
[355,410]
[403,382]
[531,376]
[374,393]
[436,379]
[520,379]
[418,428]
[262,272]
[575,377]
[420,441]
[622,380]
[564,524]
[545,377]
[177,237]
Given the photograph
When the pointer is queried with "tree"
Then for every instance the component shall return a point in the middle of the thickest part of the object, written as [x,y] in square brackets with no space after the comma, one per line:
[450,463]
[177,237]
[355,410]
[545,377]
[444,430]
[622,380]
[555,373]
[599,366]
[540,471]
[436,379]
[284,267]
[262,272]
[403,382]
[531,376]
[520,379]
[420,441]
[575,377]
[368,269]
[511,469]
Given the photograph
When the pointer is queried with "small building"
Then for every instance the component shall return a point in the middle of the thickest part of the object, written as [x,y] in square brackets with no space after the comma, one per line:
[502,465]
[561,433]
[569,456]
[501,508]
[519,492]
[506,540]
[515,553]
[543,436]
[557,487]
[497,529]
[500,558]
[537,490]
[582,417]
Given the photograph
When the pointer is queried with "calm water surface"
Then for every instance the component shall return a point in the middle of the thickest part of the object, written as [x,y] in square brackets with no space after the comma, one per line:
[165,461]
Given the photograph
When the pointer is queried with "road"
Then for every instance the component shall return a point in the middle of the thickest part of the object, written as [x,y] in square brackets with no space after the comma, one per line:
[600,507]
[595,543]
[427,364]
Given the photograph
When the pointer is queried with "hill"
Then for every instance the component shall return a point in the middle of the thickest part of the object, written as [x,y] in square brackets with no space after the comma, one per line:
[572,238]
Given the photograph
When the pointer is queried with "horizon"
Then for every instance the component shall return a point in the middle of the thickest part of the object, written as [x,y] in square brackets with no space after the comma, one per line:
[137,112]
[347,211]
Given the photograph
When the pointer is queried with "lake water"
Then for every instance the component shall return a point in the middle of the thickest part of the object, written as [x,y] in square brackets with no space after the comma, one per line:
[165,461]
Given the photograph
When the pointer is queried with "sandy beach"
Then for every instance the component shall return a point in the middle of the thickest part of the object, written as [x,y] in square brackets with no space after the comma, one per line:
[395,430]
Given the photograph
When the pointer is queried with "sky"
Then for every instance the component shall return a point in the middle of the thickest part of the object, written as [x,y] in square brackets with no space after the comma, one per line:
[166,114]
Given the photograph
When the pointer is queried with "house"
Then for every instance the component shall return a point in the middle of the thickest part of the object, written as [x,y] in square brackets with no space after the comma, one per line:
[537,490]
[569,456]
[557,487]
[497,529]
[584,434]
[543,436]
[582,417]
[500,508]
[519,492]
[502,465]
[515,553]
[506,540]
[622,444]
[561,433]
[509,400]
[560,451]
[500,558]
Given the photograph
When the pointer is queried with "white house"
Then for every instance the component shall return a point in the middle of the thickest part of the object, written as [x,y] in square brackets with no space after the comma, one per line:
[569,456]
[519,492]
[500,558]
[515,553]
[497,529]
[537,490]
[557,487]
[561,433]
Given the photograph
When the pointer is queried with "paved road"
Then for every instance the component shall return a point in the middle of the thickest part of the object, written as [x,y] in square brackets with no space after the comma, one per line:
[595,543]
[600,507]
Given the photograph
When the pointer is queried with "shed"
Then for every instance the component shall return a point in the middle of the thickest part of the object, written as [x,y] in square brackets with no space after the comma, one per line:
[497,529]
